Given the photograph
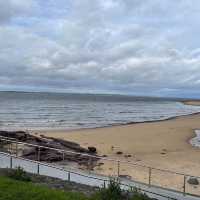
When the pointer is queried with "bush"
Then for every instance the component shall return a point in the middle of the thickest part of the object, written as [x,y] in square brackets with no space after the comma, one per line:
[113,192]
[19,174]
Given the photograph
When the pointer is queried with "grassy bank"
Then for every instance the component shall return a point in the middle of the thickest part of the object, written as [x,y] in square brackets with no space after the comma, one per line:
[17,190]
[18,185]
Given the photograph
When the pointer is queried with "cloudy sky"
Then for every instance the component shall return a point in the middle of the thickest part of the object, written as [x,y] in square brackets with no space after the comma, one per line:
[141,47]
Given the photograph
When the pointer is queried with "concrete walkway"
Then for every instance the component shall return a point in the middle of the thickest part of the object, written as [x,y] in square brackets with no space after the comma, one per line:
[10,161]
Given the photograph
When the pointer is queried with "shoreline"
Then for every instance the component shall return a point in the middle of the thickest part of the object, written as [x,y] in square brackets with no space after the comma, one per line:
[164,144]
[71,131]
[67,129]
[190,102]
[108,126]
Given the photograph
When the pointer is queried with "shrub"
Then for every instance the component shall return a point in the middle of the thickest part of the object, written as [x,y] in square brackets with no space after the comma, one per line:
[19,174]
[112,192]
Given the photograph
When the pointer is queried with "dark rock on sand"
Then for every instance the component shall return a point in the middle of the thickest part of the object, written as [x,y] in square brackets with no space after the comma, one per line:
[193,181]
[127,156]
[66,150]
[92,149]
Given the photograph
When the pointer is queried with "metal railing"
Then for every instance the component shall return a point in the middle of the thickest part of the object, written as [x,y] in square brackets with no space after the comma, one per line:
[150,176]
[15,161]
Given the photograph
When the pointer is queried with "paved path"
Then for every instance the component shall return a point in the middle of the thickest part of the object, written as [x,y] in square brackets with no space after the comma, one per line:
[8,161]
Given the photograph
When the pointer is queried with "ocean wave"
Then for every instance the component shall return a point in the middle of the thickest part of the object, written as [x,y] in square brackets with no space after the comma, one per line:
[62,112]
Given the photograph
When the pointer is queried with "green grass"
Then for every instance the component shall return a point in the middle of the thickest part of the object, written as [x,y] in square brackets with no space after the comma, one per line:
[18,190]
[11,189]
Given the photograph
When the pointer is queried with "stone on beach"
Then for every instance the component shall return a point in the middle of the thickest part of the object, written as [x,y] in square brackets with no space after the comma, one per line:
[92,149]
[193,181]
[119,153]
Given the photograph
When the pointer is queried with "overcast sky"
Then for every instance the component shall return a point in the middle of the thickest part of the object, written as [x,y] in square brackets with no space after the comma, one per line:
[141,47]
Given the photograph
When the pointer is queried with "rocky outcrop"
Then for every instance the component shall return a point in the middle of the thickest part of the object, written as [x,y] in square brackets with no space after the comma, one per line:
[66,150]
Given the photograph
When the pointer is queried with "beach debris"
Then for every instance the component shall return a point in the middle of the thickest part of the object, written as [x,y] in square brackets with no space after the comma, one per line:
[193,181]
[58,149]
[119,152]
[92,149]
[100,164]
[127,156]
[195,142]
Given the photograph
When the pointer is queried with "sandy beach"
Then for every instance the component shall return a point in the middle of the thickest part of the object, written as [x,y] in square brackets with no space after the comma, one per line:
[158,144]
[192,102]
[163,144]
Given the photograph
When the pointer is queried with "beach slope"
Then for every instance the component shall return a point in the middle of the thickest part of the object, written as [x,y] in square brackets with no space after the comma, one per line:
[163,144]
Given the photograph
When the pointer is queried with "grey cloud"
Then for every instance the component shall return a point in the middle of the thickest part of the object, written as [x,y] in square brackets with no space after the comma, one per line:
[14,8]
[96,46]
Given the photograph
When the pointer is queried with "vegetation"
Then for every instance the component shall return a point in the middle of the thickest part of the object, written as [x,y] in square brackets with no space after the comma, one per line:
[18,186]
[19,174]
[17,190]
[114,192]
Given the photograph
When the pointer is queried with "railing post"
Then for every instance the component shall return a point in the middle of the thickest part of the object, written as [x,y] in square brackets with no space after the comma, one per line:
[184,185]
[16,148]
[38,168]
[69,176]
[63,156]
[11,162]
[11,148]
[150,171]
[90,163]
[39,154]
[118,168]
[104,184]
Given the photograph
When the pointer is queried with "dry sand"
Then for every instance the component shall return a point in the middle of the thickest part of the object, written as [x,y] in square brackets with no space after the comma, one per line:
[163,144]
[192,102]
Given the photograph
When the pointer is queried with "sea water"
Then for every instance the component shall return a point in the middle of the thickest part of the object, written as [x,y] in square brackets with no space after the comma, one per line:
[32,111]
